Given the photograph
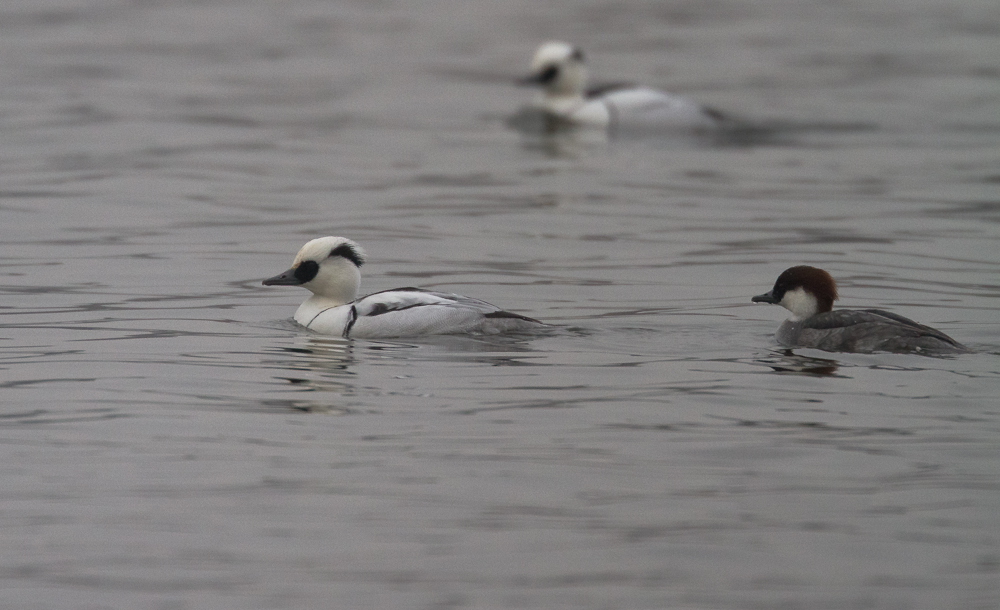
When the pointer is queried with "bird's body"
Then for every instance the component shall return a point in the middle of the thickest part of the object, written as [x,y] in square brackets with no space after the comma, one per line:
[328,267]
[809,293]
[558,68]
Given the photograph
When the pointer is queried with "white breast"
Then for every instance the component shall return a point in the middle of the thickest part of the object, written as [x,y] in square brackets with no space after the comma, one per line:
[324,319]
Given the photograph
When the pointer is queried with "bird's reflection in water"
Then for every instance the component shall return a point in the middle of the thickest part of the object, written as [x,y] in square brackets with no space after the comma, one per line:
[313,364]
[787,362]
[557,137]
[327,367]
[308,406]
[458,347]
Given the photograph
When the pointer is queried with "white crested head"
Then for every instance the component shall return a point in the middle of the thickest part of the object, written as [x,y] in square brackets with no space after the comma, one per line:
[558,67]
[321,248]
[805,291]
[554,52]
[328,267]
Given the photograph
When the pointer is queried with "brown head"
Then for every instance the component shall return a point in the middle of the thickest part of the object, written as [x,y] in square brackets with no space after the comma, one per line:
[803,290]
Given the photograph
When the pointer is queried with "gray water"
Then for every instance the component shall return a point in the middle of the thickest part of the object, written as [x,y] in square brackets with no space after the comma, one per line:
[171,440]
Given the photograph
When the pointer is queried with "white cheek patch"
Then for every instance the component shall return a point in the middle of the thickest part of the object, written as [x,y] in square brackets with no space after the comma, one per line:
[802,304]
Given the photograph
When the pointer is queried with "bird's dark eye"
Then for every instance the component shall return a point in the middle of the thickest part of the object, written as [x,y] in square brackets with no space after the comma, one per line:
[306,271]
[577,55]
[549,74]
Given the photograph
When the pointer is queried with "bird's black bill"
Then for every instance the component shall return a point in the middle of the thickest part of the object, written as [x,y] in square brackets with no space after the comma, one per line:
[543,77]
[767,297]
[284,279]
[532,80]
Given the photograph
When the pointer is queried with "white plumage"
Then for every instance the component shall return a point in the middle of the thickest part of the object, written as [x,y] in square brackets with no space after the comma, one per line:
[329,268]
[559,69]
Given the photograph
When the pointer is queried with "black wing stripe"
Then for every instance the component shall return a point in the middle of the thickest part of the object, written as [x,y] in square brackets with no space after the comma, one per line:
[605,89]
[381,308]
[508,314]
[406,289]
[350,323]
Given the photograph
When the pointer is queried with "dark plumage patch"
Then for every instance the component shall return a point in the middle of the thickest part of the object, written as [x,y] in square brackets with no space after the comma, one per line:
[605,88]
[350,323]
[548,75]
[381,308]
[347,251]
[306,271]
[508,314]
[405,289]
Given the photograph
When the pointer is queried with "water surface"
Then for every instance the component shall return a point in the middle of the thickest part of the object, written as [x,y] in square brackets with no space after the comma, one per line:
[170,439]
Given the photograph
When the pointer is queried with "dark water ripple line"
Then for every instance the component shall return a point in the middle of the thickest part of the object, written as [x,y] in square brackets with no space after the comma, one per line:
[34,382]
[120,306]
[128,333]
[51,418]
[813,426]
[657,396]
[37,351]
[179,360]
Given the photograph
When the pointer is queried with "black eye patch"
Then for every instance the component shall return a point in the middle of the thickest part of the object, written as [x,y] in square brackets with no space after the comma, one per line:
[306,271]
[548,74]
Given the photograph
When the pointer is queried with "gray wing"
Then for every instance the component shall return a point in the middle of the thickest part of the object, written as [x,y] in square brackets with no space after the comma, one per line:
[411,311]
[400,299]
[882,330]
